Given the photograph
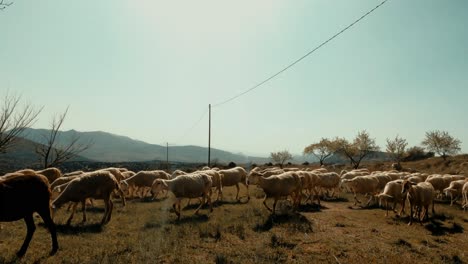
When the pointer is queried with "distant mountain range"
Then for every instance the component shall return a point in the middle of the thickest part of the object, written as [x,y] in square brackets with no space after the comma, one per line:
[113,148]
[109,147]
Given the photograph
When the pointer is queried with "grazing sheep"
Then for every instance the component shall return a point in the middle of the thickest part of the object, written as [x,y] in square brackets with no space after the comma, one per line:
[233,177]
[73,173]
[216,177]
[277,186]
[310,183]
[116,172]
[177,173]
[465,196]
[320,170]
[330,181]
[455,190]
[438,182]
[383,180]
[353,174]
[363,185]
[127,174]
[420,196]
[193,185]
[51,174]
[142,180]
[21,196]
[392,191]
[96,185]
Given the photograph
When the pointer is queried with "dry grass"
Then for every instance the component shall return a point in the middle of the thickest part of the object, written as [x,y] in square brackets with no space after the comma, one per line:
[147,232]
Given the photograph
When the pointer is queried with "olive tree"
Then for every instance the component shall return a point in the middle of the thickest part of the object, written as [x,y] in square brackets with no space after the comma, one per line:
[321,150]
[442,143]
[281,157]
[362,146]
[396,148]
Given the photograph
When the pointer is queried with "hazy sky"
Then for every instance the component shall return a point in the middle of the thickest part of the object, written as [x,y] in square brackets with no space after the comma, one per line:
[149,69]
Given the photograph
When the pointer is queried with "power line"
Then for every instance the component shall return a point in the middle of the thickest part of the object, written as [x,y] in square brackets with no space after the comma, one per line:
[301,58]
[193,126]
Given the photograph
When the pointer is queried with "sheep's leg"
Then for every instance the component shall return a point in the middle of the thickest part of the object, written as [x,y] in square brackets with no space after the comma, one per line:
[175,206]
[356,199]
[386,207]
[237,194]
[109,214]
[265,204]
[403,204]
[247,188]
[83,208]
[122,197]
[49,223]
[201,204]
[220,193]
[369,201]
[31,227]
[411,214]
[298,198]
[106,210]
[210,203]
[72,213]
[274,205]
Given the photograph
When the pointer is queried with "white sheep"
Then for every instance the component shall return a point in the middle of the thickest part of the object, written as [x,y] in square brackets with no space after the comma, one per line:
[142,181]
[420,196]
[234,176]
[73,173]
[454,190]
[392,191]
[465,196]
[310,184]
[96,185]
[193,185]
[353,174]
[278,186]
[217,179]
[177,173]
[330,181]
[367,185]
[50,173]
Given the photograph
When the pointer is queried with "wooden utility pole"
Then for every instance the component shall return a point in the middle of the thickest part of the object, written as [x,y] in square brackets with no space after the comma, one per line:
[209,135]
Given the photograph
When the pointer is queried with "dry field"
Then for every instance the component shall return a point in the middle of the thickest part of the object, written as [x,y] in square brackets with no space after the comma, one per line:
[245,232]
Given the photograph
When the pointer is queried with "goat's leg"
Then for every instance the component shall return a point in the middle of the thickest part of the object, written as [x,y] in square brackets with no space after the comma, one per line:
[45,214]
[31,227]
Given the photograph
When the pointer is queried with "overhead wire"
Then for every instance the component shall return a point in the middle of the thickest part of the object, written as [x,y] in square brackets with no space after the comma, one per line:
[299,59]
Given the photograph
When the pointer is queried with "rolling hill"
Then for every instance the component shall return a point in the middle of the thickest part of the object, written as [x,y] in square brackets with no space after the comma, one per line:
[109,147]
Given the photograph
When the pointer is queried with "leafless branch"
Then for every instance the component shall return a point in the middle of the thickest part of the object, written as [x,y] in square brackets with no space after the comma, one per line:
[14,119]
[51,154]
[3,5]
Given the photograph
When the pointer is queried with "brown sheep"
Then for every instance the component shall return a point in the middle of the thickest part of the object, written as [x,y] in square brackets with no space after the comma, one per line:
[21,196]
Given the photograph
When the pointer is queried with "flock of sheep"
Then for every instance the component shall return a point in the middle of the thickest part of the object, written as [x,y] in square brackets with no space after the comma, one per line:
[25,192]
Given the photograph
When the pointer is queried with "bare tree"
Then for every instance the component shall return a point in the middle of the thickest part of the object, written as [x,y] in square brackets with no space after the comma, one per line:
[281,157]
[363,145]
[321,150]
[51,154]
[441,143]
[14,119]
[397,149]
[3,5]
